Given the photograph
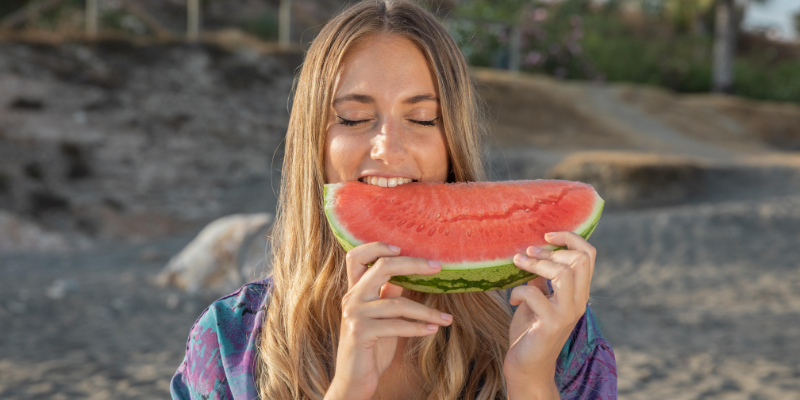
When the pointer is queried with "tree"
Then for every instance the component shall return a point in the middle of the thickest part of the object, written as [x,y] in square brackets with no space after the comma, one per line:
[726,29]
[724,46]
[797,23]
[285,23]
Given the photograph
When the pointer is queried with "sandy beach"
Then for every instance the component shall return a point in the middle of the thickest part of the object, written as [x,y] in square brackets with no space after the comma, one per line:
[699,297]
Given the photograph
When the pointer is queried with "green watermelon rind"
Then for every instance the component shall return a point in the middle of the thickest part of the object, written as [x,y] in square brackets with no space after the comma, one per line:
[458,278]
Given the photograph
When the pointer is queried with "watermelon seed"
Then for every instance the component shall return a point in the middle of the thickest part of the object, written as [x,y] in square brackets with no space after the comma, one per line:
[432,231]
[447,232]
[420,227]
[441,228]
[526,210]
[519,228]
[402,221]
[469,233]
[532,228]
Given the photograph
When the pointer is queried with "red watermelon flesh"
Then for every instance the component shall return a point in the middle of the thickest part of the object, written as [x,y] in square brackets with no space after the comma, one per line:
[466,226]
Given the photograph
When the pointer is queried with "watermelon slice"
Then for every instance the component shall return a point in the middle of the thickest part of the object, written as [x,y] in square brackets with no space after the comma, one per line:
[474,229]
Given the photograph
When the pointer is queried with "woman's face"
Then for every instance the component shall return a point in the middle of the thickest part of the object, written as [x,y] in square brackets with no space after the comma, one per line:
[385,121]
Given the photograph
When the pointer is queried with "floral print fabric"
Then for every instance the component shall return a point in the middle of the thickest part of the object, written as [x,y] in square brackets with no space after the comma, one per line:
[221,353]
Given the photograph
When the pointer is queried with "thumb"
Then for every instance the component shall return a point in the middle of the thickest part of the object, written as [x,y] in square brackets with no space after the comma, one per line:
[540,283]
[390,290]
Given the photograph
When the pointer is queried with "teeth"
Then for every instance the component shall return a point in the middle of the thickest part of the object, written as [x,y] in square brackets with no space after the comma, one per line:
[385,182]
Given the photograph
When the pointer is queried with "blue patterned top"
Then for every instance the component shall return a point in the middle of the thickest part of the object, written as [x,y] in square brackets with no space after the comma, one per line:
[221,353]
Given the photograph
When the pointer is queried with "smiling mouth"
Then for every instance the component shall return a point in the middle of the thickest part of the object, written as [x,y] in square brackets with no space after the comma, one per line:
[385,182]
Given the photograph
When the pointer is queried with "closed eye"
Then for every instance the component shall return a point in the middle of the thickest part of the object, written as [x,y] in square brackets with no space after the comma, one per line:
[347,122]
[425,123]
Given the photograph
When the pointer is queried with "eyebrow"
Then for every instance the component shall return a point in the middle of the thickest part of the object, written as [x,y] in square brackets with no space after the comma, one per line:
[359,98]
[420,98]
[363,98]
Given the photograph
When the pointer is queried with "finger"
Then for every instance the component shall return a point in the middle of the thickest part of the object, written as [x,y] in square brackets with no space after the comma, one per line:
[572,241]
[580,262]
[389,328]
[561,275]
[390,290]
[401,307]
[366,289]
[359,257]
[534,299]
[541,284]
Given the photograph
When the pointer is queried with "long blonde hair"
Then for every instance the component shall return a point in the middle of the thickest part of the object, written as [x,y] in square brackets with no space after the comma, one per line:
[298,342]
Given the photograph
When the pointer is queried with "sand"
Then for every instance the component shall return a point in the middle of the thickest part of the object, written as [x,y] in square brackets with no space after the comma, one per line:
[700,298]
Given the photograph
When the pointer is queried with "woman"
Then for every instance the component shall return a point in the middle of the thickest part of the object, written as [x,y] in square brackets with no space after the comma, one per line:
[385,97]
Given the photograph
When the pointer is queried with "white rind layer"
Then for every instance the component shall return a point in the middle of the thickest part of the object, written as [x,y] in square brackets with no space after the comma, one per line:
[338,229]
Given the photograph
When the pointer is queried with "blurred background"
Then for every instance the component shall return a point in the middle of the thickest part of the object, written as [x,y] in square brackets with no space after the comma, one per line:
[128,126]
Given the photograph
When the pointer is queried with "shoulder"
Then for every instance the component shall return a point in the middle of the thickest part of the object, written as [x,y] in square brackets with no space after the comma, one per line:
[221,349]
[586,368]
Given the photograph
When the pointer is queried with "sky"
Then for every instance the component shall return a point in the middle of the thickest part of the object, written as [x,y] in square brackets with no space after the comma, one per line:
[775,14]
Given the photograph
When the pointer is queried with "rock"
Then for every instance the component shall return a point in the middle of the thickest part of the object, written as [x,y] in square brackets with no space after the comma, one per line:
[61,287]
[227,253]
[630,179]
[17,234]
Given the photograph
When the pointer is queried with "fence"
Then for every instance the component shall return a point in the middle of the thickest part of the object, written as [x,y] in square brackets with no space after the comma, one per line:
[34,9]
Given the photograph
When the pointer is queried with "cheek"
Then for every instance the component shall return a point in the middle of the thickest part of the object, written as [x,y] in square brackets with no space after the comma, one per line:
[342,156]
[433,158]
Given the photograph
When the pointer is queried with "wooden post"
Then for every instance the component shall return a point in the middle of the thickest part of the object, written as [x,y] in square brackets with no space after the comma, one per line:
[285,23]
[514,44]
[91,18]
[193,20]
[724,46]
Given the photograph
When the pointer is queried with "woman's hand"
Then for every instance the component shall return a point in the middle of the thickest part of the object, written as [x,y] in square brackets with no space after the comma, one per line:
[374,315]
[543,322]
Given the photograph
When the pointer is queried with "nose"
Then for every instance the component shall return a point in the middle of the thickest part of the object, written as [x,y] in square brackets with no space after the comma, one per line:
[388,146]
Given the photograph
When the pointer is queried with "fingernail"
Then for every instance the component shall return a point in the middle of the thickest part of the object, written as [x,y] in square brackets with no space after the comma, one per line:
[432,327]
[533,250]
[521,257]
[549,235]
[447,317]
[434,264]
[394,248]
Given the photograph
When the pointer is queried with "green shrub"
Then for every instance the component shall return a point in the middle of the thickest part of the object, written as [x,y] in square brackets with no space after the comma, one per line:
[265,26]
[657,48]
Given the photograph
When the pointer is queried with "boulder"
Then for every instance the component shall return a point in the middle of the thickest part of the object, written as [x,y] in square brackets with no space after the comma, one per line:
[227,253]
[19,235]
[630,179]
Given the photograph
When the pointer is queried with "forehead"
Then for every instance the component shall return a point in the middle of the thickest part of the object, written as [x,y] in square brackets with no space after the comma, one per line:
[385,66]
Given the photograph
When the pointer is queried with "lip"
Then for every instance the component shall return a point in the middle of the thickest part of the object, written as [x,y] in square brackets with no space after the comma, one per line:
[386,175]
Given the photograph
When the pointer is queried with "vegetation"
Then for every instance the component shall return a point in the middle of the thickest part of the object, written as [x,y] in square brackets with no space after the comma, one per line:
[265,26]
[666,43]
